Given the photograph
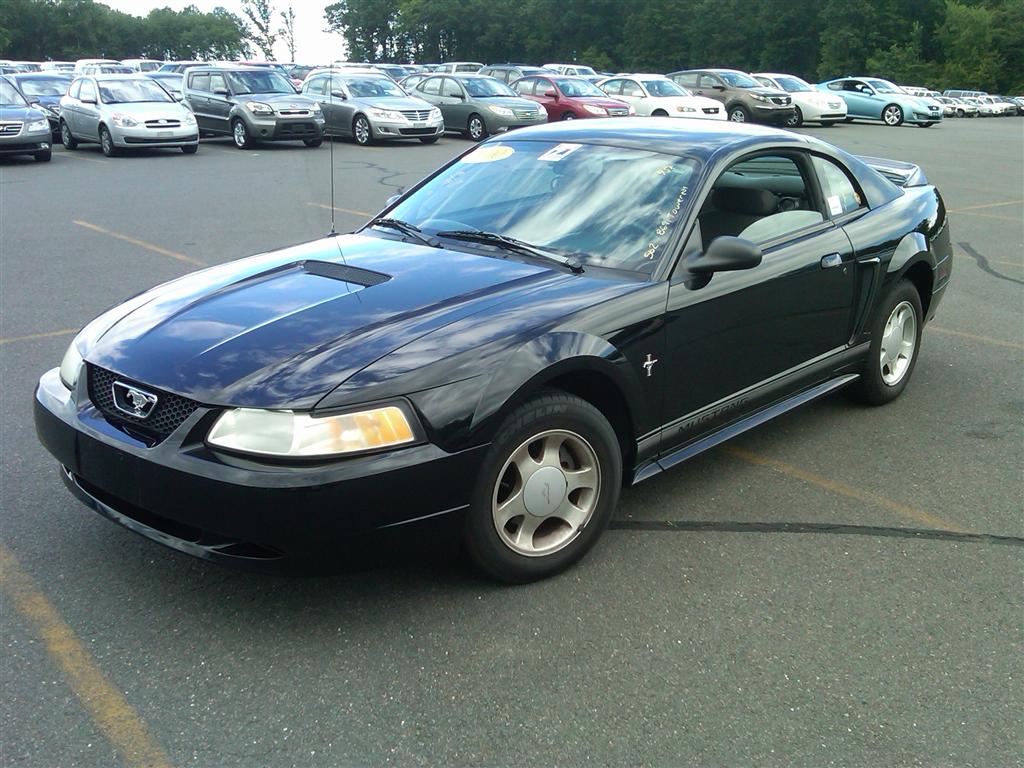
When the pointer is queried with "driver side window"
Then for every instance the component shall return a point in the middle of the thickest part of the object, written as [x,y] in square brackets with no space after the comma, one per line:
[760,199]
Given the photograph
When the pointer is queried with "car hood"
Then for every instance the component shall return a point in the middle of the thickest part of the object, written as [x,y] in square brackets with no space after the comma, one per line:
[279,100]
[763,91]
[512,102]
[394,102]
[24,114]
[283,329]
[598,101]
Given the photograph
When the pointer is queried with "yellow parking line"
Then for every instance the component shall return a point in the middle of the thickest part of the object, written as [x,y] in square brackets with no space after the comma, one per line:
[74,156]
[34,336]
[141,243]
[340,210]
[109,709]
[984,205]
[975,337]
[909,513]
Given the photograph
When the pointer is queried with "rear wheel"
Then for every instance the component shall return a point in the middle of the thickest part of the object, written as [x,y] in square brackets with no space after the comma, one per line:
[547,489]
[796,120]
[476,128]
[240,134]
[69,141]
[892,115]
[107,142]
[739,114]
[895,341]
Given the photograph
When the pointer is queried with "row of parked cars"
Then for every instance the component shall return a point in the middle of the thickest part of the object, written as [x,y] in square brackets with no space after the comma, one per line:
[120,106]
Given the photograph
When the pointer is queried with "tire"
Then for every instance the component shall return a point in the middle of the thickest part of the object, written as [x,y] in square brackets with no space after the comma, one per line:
[476,128]
[568,116]
[797,119]
[429,139]
[69,141]
[560,429]
[828,123]
[892,115]
[313,143]
[925,125]
[240,134]
[361,131]
[961,113]
[659,113]
[190,149]
[739,114]
[847,119]
[43,156]
[107,143]
[885,375]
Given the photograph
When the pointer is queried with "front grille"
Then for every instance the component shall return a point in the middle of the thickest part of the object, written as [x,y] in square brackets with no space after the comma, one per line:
[415,114]
[163,123]
[170,412]
[782,101]
[613,112]
[295,129]
[294,112]
[417,131]
[522,114]
[710,110]
[10,129]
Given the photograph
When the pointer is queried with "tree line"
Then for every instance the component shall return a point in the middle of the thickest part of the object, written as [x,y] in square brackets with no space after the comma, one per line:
[937,43]
[37,30]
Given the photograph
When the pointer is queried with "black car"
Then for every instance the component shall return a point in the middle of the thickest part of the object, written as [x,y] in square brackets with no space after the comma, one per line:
[44,89]
[552,315]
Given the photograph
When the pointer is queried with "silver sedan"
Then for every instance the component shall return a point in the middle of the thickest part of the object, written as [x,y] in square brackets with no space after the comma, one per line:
[125,112]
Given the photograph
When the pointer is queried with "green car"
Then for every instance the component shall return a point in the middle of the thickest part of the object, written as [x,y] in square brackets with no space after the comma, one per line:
[477,105]
[871,98]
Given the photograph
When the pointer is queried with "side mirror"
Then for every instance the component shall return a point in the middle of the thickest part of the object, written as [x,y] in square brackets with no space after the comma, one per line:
[339,95]
[35,103]
[718,87]
[178,96]
[89,100]
[725,254]
[221,92]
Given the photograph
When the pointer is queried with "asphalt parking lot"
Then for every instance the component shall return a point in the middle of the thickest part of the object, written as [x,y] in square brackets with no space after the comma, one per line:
[839,587]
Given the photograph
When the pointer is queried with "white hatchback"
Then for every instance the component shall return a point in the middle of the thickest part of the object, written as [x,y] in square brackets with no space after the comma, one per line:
[811,105]
[657,96]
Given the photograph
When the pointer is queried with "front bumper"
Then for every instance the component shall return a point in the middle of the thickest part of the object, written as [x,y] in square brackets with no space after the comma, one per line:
[922,116]
[771,113]
[277,128]
[183,495]
[383,129]
[500,123]
[26,143]
[141,136]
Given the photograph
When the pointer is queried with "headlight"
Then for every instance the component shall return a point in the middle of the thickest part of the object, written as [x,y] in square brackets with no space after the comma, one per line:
[300,435]
[315,109]
[386,114]
[70,365]
[594,110]
[759,97]
[190,119]
[259,108]
[435,113]
[681,108]
[124,121]
[39,125]
[503,111]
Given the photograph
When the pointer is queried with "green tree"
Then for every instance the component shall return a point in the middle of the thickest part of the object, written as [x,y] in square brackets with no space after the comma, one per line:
[260,14]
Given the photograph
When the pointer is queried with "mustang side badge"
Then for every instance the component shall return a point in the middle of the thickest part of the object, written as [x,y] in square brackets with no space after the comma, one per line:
[649,364]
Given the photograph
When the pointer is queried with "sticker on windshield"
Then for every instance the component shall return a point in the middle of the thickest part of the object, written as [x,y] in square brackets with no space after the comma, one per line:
[835,205]
[489,154]
[559,152]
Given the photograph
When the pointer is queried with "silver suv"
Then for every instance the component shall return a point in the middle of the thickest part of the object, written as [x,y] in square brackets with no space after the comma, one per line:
[251,104]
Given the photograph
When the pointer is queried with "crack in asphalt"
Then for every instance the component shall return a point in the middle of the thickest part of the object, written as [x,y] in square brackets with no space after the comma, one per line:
[985,266]
[734,526]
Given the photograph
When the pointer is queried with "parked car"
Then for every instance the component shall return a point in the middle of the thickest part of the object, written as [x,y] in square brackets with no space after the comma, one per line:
[142,65]
[985,108]
[179,66]
[59,66]
[656,96]
[105,69]
[871,98]
[509,73]
[957,107]
[809,104]
[543,320]
[121,112]
[44,90]
[1008,105]
[372,107]
[574,70]
[744,98]
[477,105]
[467,67]
[171,81]
[996,107]
[298,73]
[251,104]
[1019,101]
[570,98]
[24,129]
[412,81]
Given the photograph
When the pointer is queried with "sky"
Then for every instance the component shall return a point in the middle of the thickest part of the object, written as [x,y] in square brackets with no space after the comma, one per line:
[313,45]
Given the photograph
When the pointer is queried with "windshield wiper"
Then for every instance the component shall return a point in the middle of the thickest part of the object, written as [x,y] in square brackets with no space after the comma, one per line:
[511,244]
[407,229]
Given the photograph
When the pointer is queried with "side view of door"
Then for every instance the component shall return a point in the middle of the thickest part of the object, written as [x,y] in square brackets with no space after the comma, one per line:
[219,101]
[87,120]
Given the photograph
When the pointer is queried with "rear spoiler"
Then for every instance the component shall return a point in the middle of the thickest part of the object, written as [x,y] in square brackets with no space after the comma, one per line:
[899,173]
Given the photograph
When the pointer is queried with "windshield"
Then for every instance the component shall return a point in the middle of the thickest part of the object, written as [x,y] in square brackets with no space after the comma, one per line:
[791,84]
[9,96]
[884,86]
[45,86]
[485,86]
[575,88]
[585,71]
[366,87]
[131,91]
[267,81]
[470,67]
[738,79]
[664,88]
[608,206]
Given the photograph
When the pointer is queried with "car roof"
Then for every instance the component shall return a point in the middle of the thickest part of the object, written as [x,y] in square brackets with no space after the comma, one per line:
[46,74]
[647,75]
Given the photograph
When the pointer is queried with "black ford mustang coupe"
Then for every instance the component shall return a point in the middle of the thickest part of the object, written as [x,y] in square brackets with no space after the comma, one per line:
[550,316]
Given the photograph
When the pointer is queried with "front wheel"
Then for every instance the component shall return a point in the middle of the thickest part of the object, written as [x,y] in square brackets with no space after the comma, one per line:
[313,142]
[892,115]
[190,149]
[895,341]
[240,134]
[107,142]
[739,114]
[925,125]
[429,139]
[361,131]
[828,123]
[66,138]
[476,128]
[43,156]
[568,116]
[546,491]
[796,120]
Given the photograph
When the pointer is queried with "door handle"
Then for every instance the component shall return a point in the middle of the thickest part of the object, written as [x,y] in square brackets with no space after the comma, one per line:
[832,260]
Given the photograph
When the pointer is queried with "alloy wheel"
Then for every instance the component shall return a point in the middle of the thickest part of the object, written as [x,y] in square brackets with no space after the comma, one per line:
[65,136]
[899,339]
[239,134]
[361,130]
[476,128]
[546,493]
[737,115]
[893,115]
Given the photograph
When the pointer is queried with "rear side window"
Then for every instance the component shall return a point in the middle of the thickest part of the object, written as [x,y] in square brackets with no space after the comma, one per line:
[431,86]
[200,81]
[687,79]
[841,196]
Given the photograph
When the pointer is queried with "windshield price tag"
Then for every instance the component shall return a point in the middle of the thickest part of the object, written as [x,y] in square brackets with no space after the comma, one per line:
[489,154]
[559,152]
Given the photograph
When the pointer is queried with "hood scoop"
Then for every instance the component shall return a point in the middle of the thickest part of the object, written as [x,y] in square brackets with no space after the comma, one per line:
[346,274]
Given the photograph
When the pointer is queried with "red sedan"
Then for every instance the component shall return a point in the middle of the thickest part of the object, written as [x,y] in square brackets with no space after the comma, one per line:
[569,98]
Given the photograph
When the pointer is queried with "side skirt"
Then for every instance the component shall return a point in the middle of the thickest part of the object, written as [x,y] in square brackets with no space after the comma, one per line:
[738,427]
